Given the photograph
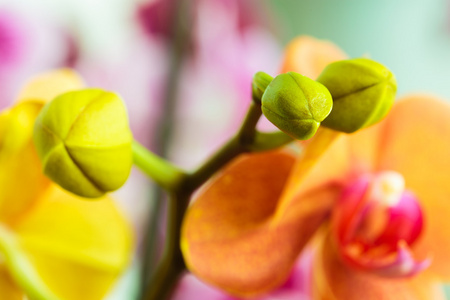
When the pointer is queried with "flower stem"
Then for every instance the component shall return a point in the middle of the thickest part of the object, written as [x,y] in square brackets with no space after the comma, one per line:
[229,151]
[161,171]
[238,144]
[247,131]
[172,263]
[21,269]
[269,140]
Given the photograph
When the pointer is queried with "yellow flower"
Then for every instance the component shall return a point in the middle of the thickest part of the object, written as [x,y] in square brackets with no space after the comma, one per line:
[53,245]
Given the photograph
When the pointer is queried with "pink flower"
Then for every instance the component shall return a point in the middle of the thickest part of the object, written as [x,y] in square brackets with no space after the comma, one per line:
[12,42]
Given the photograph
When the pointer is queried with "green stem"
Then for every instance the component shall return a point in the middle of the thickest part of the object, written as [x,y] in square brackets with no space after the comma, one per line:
[229,151]
[238,144]
[161,171]
[172,263]
[270,140]
[247,139]
[21,269]
[246,133]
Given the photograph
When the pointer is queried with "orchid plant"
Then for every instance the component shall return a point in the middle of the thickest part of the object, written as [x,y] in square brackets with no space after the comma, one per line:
[346,178]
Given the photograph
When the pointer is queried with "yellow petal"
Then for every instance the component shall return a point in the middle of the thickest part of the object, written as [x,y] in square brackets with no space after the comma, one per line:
[79,248]
[21,178]
[8,288]
[47,86]
[334,280]
[416,144]
[309,56]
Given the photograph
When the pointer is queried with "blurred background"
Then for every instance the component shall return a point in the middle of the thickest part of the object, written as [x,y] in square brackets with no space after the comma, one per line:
[184,68]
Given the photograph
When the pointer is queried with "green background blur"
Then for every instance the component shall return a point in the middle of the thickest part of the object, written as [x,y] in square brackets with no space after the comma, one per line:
[411,37]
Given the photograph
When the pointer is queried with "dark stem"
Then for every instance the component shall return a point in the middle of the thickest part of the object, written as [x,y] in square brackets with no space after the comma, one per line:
[246,140]
[239,144]
[181,36]
[229,151]
[269,140]
[172,264]
[247,132]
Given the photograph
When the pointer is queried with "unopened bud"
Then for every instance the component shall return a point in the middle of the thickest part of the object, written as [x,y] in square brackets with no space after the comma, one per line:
[84,142]
[259,84]
[363,92]
[296,104]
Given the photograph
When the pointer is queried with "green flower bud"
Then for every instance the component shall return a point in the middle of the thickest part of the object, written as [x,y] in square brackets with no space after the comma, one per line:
[363,93]
[259,84]
[84,142]
[296,104]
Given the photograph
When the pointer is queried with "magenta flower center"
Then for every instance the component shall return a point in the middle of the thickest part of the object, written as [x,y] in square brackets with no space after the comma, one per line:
[375,223]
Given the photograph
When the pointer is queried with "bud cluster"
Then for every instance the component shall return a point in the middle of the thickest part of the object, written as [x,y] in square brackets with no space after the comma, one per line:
[347,96]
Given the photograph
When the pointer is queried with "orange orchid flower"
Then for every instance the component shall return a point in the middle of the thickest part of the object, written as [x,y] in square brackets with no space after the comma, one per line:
[53,245]
[372,203]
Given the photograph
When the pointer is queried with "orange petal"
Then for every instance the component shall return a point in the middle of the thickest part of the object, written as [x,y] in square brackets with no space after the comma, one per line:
[226,237]
[47,86]
[333,280]
[21,177]
[322,163]
[309,56]
[329,161]
[246,248]
[8,288]
[416,144]
[78,247]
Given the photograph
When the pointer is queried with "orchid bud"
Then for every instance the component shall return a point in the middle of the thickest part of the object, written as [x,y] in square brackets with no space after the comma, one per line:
[296,104]
[363,93]
[259,84]
[84,142]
